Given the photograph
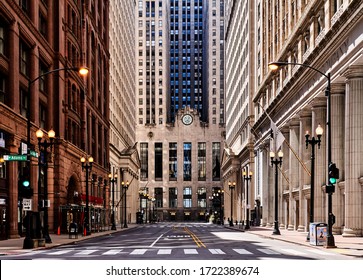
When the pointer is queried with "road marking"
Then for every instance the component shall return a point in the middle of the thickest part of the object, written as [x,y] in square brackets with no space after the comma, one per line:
[86,252]
[294,252]
[164,252]
[112,252]
[269,252]
[157,239]
[190,252]
[61,252]
[217,252]
[138,252]
[242,251]
[195,238]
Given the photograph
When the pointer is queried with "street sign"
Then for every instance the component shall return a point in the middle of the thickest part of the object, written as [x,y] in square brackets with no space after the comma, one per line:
[27,204]
[15,157]
[33,154]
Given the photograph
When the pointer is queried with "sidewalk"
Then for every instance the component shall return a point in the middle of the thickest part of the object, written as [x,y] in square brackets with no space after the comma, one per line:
[15,245]
[351,246]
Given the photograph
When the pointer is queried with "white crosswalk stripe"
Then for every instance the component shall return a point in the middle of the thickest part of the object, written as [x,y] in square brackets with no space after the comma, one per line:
[190,252]
[164,252]
[112,252]
[242,251]
[268,252]
[217,252]
[60,252]
[86,252]
[138,252]
[294,252]
[320,252]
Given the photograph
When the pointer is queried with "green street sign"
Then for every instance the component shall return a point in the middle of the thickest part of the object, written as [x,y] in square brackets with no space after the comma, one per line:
[33,153]
[15,157]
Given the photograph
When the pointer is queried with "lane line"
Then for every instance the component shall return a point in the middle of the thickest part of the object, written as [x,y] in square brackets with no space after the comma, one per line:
[157,239]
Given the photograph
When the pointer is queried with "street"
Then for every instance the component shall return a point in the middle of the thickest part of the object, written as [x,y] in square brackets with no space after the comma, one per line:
[180,241]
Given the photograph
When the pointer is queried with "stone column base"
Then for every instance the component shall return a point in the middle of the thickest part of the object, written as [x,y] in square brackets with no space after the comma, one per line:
[348,232]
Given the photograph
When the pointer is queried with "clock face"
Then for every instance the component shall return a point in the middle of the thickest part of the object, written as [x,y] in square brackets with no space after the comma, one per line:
[187,119]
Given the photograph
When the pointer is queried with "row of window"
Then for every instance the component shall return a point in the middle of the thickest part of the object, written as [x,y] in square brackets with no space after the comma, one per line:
[186,160]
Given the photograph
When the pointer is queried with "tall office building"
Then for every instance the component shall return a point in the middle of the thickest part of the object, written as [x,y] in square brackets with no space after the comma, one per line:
[124,160]
[180,116]
[40,44]
[240,87]
[321,42]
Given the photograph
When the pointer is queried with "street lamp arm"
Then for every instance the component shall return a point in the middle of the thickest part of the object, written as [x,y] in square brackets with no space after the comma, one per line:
[78,69]
[277,64]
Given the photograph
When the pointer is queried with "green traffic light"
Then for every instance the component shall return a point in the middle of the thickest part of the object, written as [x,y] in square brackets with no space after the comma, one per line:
[26,184]
[332,180]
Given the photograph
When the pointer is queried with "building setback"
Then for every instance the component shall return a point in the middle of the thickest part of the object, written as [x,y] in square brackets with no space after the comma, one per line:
[37,37]
[180,101]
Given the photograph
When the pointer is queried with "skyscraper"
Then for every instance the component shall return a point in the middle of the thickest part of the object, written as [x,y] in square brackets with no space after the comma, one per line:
[180,103]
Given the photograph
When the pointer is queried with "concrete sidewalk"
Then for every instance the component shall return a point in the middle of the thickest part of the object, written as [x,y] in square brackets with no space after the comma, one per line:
[351,246]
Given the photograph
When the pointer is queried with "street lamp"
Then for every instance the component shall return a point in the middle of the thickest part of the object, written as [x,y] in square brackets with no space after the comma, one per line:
[276,162]
[125,186]
[113,180]
[231,186]
[330,188]
[247,178]
[28,243]
[43,146]
[312,142]
[87,165]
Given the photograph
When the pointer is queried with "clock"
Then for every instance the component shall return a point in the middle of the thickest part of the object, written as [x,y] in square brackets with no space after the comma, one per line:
[187,119]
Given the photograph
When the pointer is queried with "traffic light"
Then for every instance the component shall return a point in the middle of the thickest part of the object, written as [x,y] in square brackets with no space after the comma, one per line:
[333,173]
[25,190]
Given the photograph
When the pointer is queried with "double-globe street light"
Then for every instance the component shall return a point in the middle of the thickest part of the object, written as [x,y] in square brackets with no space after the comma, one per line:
[231,186]
[87,165]
[28,242]
[247,178]
[43,161]
[313,141]
[113,181]
[125,187]
[330,188]
[277,162]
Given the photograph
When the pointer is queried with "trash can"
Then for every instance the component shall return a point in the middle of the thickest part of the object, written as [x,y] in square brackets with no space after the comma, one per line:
[139,218]
[318,233]
[73,231]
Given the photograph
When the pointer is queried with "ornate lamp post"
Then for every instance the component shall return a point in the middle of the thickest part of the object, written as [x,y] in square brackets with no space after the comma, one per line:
[113,180]
[330,188]
[28,242]
[125,186]
[312,142]
[88,167]
[247,178]
[43,147]
[276,162]
[231,186]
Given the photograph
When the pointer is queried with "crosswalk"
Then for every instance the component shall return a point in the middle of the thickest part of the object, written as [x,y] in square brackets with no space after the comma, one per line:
[186,251]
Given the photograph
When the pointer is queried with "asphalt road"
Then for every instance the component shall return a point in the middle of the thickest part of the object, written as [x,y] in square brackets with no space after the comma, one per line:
[180,241]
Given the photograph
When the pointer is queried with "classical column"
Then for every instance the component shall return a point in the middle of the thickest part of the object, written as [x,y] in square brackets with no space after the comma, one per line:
[353,151]
[284,189]
[293,173]
[319,111]
[338,136]
[304,171]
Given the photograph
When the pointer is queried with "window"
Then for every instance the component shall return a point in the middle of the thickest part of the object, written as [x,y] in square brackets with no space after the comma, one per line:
[144,160]
[23,102]
[202,161]
[3,80]
[42,116]
[158,197]
[173,197]
[187,164]
[42,25]
[158,161]
[202,197]
[2,38]
[42,80]
[173,162]
[187,197]
[216,166]
[24,58]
